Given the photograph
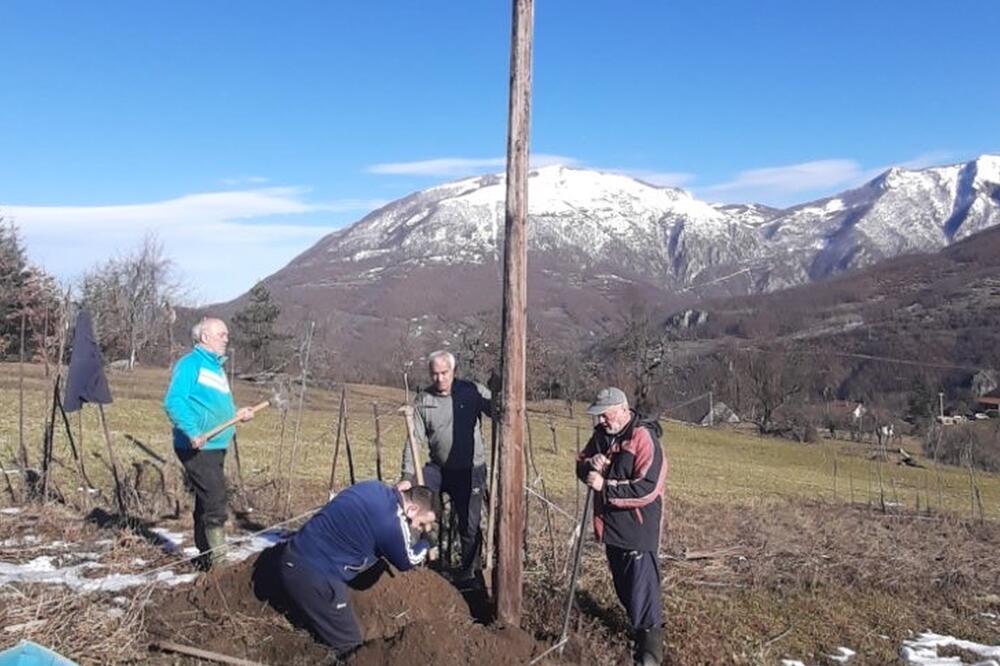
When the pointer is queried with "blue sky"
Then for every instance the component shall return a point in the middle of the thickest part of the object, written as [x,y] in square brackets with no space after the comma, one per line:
[243,132]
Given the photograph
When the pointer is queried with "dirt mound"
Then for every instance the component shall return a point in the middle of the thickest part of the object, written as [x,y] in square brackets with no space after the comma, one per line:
[240,611]
[448,643]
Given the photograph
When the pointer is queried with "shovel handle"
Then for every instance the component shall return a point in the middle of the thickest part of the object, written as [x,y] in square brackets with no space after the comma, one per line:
[576,568]
[411,441]
[233,421]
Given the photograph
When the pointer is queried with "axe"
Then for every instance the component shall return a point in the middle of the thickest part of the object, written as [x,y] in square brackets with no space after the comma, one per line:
[276,400]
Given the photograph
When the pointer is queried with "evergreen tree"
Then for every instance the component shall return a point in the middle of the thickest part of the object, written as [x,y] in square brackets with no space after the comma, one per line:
[26,291]
[254,326]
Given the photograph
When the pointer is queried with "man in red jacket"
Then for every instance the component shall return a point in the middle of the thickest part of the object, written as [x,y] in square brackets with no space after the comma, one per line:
[624,466]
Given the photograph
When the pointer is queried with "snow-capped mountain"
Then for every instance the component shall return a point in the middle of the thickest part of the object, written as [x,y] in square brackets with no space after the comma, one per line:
[593,237]
[899,212]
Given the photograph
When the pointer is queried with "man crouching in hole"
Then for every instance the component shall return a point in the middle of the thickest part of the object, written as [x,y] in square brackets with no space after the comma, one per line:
[350,535]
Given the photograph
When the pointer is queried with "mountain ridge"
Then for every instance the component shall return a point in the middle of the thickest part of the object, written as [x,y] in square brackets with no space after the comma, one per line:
[599,242]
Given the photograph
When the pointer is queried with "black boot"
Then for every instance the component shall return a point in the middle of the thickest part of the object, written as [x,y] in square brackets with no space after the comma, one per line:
[649,647]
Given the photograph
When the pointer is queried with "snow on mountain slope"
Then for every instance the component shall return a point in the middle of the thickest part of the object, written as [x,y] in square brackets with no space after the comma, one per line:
[584,221]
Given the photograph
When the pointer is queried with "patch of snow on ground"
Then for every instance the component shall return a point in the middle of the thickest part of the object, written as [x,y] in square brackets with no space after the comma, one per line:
[791,662]
[42,570]
[26,540]
[10,510]
[923,651]
[843,655]
[172,542]
[247,547]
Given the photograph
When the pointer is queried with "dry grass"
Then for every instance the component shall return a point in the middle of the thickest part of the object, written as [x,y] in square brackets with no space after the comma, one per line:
[93,628]
[790,580]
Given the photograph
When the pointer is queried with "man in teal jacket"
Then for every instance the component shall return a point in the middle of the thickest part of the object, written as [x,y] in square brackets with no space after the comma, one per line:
[197,400]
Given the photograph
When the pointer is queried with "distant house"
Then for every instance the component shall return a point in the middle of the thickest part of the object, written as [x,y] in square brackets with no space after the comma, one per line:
[990,401]
[721,413]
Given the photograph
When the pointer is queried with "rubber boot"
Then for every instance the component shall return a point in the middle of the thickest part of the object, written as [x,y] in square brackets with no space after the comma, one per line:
[201,543]
[216,541]
[649,647]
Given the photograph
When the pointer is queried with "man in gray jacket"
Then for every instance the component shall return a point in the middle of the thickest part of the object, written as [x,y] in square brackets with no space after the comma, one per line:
[447,416]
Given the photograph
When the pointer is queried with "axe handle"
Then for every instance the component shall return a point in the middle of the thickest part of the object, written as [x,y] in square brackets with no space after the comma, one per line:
[233,421]
[411,441]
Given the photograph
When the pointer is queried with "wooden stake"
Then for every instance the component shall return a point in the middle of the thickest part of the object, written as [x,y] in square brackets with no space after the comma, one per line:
[168,646]
[347,442]
[241,488]
[555,440]
[115,473]
[298,417]
[579,449]
[336,443]
[48,440]
[10,486]
[281,449]
[378,442]
[22,449]
[510,565]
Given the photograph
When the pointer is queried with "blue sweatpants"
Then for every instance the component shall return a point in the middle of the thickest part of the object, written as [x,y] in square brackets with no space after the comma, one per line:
[636,575]
[323,602]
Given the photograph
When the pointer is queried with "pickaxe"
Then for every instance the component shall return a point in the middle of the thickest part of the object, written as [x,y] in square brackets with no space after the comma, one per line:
[276,400]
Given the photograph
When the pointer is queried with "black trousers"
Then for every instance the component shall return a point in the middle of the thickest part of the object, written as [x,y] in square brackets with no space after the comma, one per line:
[206,476]
[465,488]
[636,575]
[321,601]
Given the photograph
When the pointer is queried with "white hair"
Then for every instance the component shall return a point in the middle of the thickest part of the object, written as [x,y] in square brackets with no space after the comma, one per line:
[196,331]
[441,353]
[199,328]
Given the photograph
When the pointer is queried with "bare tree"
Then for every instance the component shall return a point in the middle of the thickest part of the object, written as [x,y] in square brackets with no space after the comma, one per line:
[126,297]
[770,380]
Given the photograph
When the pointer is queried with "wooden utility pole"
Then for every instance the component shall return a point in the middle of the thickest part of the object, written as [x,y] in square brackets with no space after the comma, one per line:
[512,411]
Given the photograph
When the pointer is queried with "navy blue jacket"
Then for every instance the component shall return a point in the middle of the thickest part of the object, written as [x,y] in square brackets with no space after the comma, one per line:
[353,530]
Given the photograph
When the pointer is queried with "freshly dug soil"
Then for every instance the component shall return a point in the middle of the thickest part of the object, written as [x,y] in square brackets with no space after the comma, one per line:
[449,643]
[417,617]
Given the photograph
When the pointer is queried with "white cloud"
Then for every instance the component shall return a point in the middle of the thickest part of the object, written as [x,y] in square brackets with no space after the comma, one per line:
[780,181]
[245,180]
[458,167]
[797,183]
[928,159]
[222,242]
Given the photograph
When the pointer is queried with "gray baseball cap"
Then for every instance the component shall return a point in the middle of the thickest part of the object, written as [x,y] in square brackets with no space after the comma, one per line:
[606,399]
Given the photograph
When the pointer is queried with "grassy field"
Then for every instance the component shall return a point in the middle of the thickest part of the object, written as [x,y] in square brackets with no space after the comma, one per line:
[714,465]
